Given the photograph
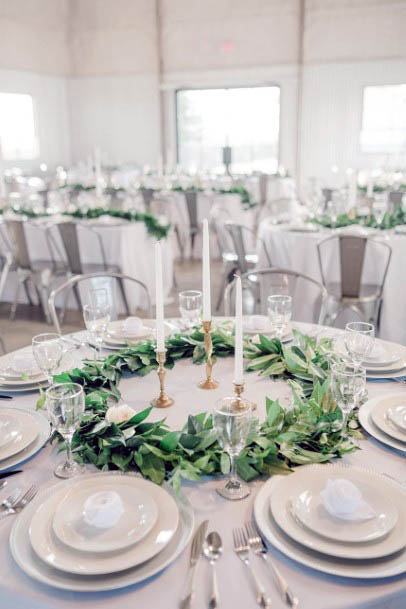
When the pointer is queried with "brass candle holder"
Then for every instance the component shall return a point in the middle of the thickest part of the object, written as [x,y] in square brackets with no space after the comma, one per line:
[239,401]
[163,400]
[209,382]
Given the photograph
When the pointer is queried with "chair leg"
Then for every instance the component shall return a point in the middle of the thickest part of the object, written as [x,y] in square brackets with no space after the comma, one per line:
[27,291]
[124,296]
[192,245]
[13,309]
[224,282]
[180,244]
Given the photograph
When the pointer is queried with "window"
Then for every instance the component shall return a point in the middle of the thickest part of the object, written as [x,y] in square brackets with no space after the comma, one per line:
[17,127]
[246,119]
[384,119]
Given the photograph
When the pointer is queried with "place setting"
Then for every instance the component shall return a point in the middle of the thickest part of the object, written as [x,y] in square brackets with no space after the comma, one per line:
[23,432]
[384,417]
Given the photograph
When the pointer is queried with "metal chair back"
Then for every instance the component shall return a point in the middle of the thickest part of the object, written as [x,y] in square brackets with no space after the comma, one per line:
[69,235]
[18,238]
[239,235]
[147,196]
[191,205]
[103,280]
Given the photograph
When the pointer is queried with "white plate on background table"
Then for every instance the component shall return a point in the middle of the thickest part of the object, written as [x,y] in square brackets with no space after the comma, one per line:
[315,480]
[27,560]
[380,418]
[35,446]
[140,513]
[25,430]
[55,554]
[365,418]
[355,569]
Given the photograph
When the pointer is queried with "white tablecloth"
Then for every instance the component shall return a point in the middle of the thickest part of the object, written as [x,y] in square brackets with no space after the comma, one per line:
[315,590]
[297,251]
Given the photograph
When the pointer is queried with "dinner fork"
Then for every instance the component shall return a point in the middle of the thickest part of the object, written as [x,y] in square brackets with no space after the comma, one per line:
[242,550]
[259,548]
[8,502]
[20,502]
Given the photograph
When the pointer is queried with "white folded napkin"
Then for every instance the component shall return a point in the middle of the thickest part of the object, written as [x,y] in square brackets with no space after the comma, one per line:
[119,414]
[378,352]
[103,510]
[342,499]
[133,326]
[24,363]
[257,322]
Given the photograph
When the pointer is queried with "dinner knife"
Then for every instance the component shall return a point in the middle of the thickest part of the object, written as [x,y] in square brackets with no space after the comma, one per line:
[3,396]
[7,474]
[195,554]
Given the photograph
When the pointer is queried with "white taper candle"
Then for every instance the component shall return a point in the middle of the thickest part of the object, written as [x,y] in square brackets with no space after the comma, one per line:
[206,272]
[238,354]
[159,300]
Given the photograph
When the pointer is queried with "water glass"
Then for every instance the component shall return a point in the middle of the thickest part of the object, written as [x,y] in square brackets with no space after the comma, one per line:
[380,207]
[332,213]
[97,319]
[279,312]
[66,405]
[48,351]
[347,386]
[359,341]
[232,422]
[190,307]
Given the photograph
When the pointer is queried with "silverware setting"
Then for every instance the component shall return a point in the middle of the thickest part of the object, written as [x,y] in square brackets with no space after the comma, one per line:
[242,549]
[213,549]
[195,554]
[17,501]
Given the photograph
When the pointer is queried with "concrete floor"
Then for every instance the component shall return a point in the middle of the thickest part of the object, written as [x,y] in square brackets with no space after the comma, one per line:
[29,320]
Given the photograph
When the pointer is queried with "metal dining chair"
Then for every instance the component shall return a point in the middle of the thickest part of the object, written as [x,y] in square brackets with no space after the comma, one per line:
[308,295]
[147,196]
[343,260]
[91,281]
[191,206]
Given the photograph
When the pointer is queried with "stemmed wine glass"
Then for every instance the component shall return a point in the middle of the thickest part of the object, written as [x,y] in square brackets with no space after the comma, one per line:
[279,312]
[332,213]
[347,386]
[97,318]
[48,351]
[379,208]
[65,405]
[190,307]
[232,422]
[359,341]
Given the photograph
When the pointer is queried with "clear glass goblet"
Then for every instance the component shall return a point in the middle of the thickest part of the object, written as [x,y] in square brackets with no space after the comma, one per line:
[190,307]
[48,351]
[359,341]
[65,405]
[233,421]
[347,386]
[97,319]
[380,207]
[279,312]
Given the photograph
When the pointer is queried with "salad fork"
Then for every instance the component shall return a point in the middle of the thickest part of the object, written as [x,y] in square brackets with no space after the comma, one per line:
[8,502]
[259,548]
[20,502]
[241,548]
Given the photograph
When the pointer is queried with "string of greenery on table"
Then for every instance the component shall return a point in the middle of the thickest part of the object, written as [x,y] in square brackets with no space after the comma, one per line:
[309,432]
[390,220]
[246,199]
[151,222]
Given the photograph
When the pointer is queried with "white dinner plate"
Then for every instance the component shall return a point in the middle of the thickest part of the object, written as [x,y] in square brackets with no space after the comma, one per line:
[383,355]
[9,429]
[355,569]
[397,415]
[263,326]
[43,435]
[22,382]
[391,360]
[28,561]
[379,416]
[365,418]
[10,374]
[24,388]
[140,513]
[321,532]
[25,430]
[52,552]
[117,335]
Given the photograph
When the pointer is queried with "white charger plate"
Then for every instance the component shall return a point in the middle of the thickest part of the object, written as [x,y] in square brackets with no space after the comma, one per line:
[397,416]
[35,446]
[140,513]
[380,419]
[25,428]
[48,548]
[27,560]
[387,355]
[365,418]
[354,569]
[315,479]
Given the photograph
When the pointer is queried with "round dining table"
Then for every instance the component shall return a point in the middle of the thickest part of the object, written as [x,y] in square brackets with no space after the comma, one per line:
[315,590]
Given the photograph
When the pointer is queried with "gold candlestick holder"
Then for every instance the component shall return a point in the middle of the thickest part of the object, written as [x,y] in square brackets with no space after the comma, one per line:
[163,400]
[209,382]
[239,401]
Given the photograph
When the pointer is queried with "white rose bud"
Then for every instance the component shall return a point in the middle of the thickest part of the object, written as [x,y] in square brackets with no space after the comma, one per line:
[119,414]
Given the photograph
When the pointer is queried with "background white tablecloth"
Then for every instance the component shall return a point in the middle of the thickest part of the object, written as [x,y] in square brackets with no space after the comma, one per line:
[315,590]
[297,251]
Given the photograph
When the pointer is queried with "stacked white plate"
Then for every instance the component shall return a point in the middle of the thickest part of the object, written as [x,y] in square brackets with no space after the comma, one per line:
[261,324]
[120,335]
[292,516]
[22,434]
[19,373]
[384,417]
[64,539]
[385,360]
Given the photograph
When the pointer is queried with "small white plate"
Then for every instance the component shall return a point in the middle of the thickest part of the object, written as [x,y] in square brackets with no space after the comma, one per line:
[54,554]
[364,417]
[27,560]
[381,419]
[140,513]
[397,415]
[384,568]
[308,508]
[25,431]
[383,355]
[43,435]
[371,486]
[22,382]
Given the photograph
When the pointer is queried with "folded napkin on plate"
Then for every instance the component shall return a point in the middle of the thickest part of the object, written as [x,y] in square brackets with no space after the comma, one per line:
[342,499]
[133,325]
[24,363]
[103,510]
[256,322]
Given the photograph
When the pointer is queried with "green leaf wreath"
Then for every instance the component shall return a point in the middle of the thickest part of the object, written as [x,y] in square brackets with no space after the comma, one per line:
[309,432]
